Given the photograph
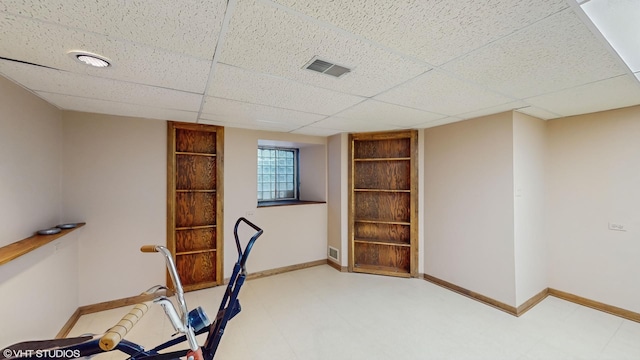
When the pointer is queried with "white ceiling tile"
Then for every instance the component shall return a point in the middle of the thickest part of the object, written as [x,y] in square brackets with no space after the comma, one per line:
[315,131]
[379,112]
[557,53]
[260,39]
[447,120]
[48,44]
[246,123]
[237,111]
[493,110]
[617,21]
[191,29]
[435,31]
[352,125]
[85,86]
[76,103]
[487,54]
[247,86]
[618,92]
[440,93]
[538,112]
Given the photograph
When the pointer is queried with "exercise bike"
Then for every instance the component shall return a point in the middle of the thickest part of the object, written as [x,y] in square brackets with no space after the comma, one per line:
[187,323]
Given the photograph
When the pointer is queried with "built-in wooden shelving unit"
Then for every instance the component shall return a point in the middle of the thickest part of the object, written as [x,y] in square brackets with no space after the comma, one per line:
[194,203]
[383,198]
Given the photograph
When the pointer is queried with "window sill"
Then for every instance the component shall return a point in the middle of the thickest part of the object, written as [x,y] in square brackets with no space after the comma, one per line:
[288,203]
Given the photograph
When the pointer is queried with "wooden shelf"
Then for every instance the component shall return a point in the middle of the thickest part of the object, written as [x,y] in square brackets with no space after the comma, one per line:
[383,222]
[24,246]
[194,191]
[195,252]
[194,153]
[384,159]
[381,270]
[383,190]
[195,227]
[381,242]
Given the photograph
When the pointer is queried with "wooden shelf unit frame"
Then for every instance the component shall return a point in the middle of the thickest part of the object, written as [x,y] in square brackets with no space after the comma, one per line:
[383,203]
[195,203]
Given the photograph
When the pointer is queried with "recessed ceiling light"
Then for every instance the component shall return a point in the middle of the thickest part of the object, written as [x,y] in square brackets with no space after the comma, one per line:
[90,59]
[617,20]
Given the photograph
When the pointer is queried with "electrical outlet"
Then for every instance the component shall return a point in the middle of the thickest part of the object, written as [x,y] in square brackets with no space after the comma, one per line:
[617,227]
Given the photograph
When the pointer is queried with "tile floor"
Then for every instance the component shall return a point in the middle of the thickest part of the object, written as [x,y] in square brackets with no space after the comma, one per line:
[320,313]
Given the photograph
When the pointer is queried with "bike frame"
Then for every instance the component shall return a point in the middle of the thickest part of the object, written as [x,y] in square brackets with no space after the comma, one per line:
[88,345]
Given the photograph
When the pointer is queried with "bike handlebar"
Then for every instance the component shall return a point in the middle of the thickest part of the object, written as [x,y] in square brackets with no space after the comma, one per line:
[183,326]
[148,248]
[254,226]
[242,257]
[116,333]
[181,322]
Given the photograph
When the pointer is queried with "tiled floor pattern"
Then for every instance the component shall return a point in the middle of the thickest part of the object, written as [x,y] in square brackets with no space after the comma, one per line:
[320,313]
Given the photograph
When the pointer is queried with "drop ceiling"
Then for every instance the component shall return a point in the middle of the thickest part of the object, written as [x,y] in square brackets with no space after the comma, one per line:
[241,63]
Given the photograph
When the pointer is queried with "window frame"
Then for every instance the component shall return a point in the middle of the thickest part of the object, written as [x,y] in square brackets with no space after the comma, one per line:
[296,177]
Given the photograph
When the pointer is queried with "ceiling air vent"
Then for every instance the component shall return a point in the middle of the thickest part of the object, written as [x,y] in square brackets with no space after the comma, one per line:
[326,67]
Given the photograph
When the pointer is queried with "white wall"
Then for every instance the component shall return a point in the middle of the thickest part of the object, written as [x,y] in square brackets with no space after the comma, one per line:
[110,171]
[337,221]
[593,179]
[115,180]
[30,163]
[30,199]
[313,172]
[421,204]
[292,234]
[530,245]
[469,205]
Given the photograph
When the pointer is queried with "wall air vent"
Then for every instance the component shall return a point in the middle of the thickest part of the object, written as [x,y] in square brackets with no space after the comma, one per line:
[333,253]
[326,67]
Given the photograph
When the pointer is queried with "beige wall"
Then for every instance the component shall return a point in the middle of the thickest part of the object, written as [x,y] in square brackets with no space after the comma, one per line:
[39,290]
[530,245]
[593,179]
[115,180]
[486,183]
[469,205]
[30,163]
[569,178]
[421,202]
[338,195]
[292,234]
[313,172]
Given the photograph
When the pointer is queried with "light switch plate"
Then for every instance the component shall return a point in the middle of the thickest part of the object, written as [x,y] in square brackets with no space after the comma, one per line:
[616,227]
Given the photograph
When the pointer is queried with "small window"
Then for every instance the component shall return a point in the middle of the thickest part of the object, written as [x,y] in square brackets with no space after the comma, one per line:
[277,174]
